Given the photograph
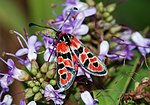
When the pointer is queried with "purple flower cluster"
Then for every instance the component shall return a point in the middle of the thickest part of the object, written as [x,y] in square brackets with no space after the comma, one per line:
[74,24]
[126,43]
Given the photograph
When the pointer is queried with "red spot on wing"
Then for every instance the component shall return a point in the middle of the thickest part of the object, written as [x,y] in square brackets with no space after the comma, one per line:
[74,58]
[62,47]
[60,59]
[61,71]
[83,57]
[68,63]
[93,68]
[76,40]
[75,43]
[86,50]
[69,75]
[93,59]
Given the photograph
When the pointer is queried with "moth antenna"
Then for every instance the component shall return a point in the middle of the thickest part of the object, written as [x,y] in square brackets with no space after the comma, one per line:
[33,24]
[72,9]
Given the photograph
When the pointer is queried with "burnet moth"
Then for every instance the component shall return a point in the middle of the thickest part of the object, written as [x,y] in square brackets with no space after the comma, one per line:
[70,51]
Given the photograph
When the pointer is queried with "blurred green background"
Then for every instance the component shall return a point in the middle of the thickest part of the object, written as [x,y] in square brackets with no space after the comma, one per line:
[17,14]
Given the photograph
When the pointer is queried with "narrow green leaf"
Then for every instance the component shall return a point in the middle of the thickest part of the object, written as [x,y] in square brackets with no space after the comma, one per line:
[119,84]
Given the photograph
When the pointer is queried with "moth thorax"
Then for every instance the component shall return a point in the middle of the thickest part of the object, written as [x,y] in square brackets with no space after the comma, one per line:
[66,38]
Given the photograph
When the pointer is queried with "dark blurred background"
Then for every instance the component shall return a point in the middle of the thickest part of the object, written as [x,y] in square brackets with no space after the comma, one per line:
[17,14]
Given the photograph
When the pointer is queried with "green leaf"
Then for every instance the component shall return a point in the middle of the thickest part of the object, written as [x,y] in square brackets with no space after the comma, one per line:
[119,84]
[103,97]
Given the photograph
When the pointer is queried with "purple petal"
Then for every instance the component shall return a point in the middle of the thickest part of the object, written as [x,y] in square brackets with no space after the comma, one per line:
[138,39]
[22,102]
[82,30]
[48,90]
[104,47]
[89,12]
[87,98]
[32,54]
[32,40]
[38,45]
[79,20]
[10,63]
[7,100]
[80,72]
[60,90]
[88,76]
[22,52]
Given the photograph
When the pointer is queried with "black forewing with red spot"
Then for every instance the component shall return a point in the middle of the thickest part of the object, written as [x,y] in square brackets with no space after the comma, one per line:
[65,67]
[89,62]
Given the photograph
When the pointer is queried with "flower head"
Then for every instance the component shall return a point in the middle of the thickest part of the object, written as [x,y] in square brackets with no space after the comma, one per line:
[104,49]
[14,72]
[32,46]
[54,95]
[73,25]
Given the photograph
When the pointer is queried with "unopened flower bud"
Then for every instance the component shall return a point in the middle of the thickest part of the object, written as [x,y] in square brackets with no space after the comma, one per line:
[110,8]
[55,76]
[52,66]
[90,2]
[34,67]
[44,84]
[35,89]
[37,83]
[107,26]
[86,38]
[49,32]
[39,75]
[37,96]
[31,84]
[24,76]
[115,29]
[53,82]
[100,7]
[109,18]
[42,91]
[91,25]
[44,67]
[106,14]
[28,93]
[50,74]
[41,80]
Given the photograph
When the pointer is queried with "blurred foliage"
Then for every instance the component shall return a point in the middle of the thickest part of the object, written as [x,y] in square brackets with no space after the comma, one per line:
[16,14]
